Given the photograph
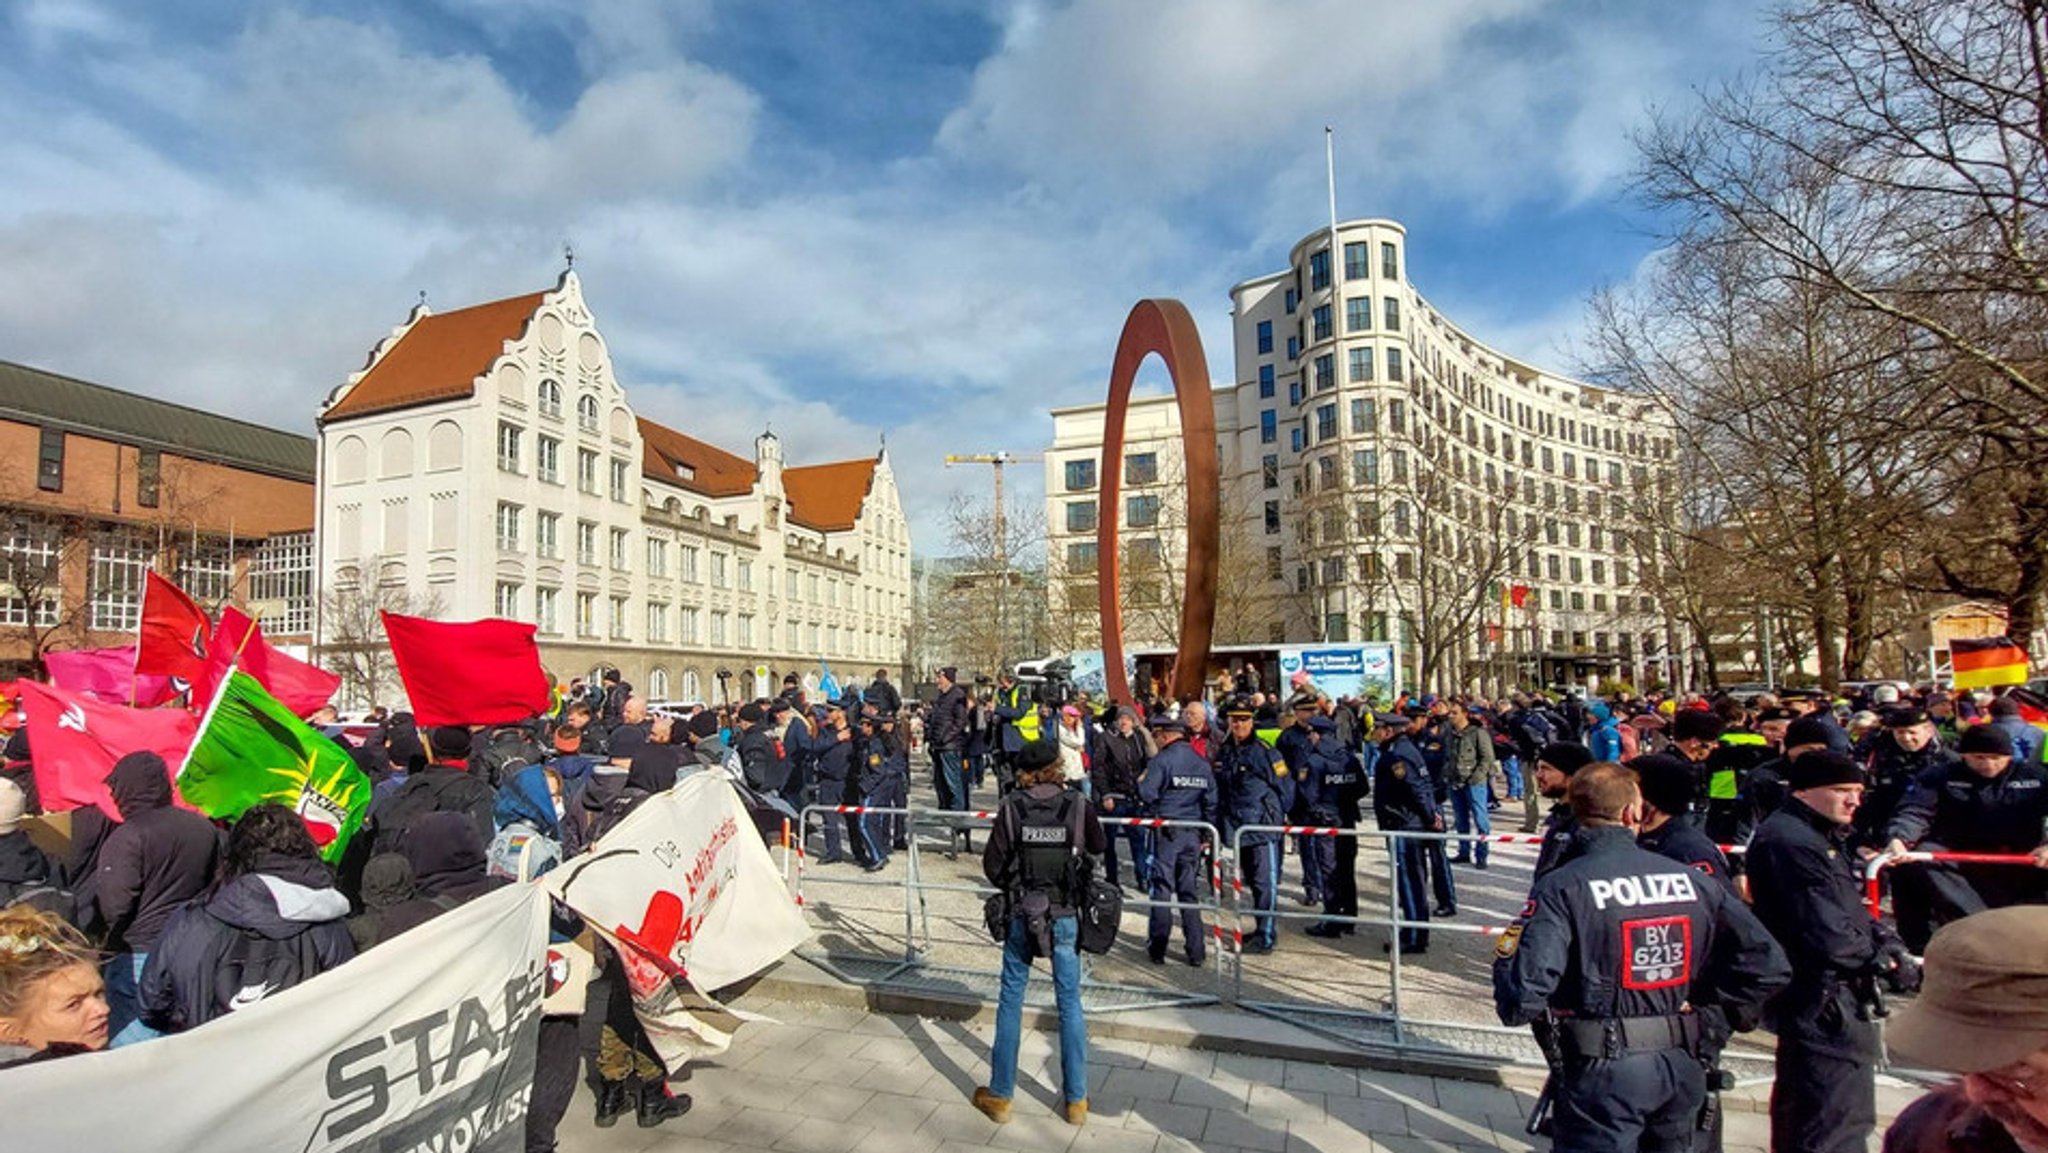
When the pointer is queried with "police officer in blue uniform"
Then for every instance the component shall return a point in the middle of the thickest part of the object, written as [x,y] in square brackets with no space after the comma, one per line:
[1292,744]
[1258,789]
[1339,785]
[1178,786]
[1403,800]
[1613,956]
[831,756]
[1668,784]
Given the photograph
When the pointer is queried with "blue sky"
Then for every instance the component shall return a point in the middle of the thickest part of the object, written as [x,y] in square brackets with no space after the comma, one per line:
[842,217]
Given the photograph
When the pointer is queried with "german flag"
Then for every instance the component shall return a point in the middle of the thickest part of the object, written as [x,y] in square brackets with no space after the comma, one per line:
[1987,662]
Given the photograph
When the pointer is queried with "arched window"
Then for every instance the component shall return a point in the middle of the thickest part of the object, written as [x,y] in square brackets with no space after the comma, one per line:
[586,413]
[692,688]
[657,685]
[396,453]
[550,401]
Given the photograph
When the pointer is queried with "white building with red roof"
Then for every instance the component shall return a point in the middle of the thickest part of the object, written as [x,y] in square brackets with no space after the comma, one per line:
[487,461]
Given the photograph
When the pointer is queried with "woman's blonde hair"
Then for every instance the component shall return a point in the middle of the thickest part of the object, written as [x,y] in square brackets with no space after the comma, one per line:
[33,945]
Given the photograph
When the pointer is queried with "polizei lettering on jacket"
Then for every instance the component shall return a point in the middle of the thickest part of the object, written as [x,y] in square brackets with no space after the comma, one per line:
[1631,892]
[1190,782]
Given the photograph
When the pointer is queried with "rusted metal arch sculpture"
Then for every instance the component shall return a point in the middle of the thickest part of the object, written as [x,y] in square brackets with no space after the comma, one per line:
[1165,328]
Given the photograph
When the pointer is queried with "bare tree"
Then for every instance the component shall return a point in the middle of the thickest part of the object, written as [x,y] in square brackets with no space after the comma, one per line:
[354,646]
[987,605]
[1926,125]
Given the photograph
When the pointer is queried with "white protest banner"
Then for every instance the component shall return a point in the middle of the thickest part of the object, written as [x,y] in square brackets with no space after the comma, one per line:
[424,1043]
[685,892]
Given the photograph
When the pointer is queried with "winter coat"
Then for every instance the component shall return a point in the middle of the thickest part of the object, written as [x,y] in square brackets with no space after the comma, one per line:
[25,870]
[526,814]
[449,866]
[1119,764]
[286,919]
[1468,754]
[1073,753]
[948,726]
[159,858]
[438,788]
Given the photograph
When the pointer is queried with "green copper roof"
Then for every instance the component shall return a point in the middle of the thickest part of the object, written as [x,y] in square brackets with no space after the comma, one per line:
[32,396]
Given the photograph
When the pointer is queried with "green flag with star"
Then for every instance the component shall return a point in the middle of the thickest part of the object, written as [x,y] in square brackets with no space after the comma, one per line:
[251,750]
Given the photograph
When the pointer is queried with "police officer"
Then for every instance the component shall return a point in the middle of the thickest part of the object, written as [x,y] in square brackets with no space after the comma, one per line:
[1613,952]
[1427,733]
[1556,762]
[1986,804]
[1905,749]
[1403,800]
[1257,789]
[831,755]
[1340,785]
[1666,783]
[1020,720]
[1178,786]
[1292,744]
[1808,892]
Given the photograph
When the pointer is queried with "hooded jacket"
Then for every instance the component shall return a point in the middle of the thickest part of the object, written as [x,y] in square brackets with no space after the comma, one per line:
[526,814]
[159,858]
[448,866]
[254,935]
[438,788]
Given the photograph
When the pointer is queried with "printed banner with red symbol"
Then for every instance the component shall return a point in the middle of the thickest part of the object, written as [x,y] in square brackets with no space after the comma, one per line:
[687,895]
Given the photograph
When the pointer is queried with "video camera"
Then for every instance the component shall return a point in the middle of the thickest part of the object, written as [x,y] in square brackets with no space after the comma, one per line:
[1056,684]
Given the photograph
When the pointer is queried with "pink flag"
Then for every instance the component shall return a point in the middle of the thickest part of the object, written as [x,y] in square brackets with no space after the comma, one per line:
[108,675]
[77,741]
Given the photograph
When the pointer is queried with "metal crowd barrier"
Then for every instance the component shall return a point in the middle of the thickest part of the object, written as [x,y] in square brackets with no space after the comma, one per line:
[1873,890]
[917,934]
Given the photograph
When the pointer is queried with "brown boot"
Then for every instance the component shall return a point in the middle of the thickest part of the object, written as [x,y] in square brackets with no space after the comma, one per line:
[1077,1112]
[996,1108]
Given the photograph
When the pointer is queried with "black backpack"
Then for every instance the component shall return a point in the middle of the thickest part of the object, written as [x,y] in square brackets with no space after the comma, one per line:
[1058,876]
[508,749]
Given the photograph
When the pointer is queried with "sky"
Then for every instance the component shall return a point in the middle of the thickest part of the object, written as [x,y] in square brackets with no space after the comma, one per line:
[842,219]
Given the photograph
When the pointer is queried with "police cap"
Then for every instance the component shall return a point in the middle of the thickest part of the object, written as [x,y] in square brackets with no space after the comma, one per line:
[1904,717]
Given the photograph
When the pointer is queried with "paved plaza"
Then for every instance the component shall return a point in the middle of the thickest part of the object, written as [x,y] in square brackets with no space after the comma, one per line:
[839,1079]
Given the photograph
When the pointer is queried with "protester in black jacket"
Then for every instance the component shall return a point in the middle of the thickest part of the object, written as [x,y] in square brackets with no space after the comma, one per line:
[947,732]
[159,858]
[274,921]
[444,785]
[1116,766]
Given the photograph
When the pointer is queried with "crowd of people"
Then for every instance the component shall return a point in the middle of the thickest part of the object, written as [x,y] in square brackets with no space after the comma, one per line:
[164,920]
[1769,809]
[1753,820]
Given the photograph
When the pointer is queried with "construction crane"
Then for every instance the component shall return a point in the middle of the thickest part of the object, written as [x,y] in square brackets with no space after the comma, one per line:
[996,461]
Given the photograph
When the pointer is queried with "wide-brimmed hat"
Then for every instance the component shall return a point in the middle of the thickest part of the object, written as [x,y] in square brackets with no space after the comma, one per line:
[1983,1000]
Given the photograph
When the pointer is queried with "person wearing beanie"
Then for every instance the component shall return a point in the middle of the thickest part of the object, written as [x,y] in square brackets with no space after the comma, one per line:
[1808,887]
[445,784]
[1764,790]
[1988,803]
[1030,857]
[1555,764]
[2026,739]
[1666,783]
[1983,1013]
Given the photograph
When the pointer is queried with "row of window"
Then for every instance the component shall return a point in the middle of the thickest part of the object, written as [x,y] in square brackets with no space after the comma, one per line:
[1139,512]
[1139,468]
[548,399]
[716,628]
[547,462]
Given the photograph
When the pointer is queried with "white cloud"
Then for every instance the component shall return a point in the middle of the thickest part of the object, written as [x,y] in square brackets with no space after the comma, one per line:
[449,134]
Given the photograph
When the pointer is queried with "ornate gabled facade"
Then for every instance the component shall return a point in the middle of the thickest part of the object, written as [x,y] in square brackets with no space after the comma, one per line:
[488,461]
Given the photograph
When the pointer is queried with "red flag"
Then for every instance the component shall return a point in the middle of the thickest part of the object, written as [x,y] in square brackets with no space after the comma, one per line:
[239,643]
[77,741]
[483,672]
[109,675]
[1519,594]
[175,633]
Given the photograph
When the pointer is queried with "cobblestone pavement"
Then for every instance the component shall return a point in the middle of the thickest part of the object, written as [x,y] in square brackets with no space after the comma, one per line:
[840,1080]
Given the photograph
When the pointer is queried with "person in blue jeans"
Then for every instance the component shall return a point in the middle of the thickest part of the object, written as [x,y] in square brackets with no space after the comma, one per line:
[1032,856]
[1469,759]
